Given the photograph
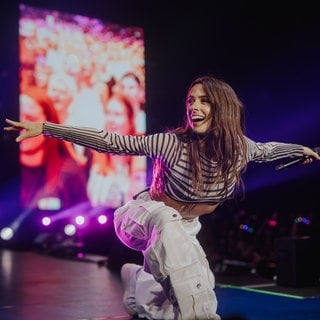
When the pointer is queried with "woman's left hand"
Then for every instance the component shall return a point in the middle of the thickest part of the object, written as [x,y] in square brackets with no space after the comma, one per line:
[311,154]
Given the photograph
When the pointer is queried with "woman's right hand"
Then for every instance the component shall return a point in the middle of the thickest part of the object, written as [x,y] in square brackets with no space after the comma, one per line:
[29,129]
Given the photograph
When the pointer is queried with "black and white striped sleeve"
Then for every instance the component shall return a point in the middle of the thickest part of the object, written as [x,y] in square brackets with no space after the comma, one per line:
[270,151]
[154,146]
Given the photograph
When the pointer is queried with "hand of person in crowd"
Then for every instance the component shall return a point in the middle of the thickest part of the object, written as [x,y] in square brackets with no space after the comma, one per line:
[29,129]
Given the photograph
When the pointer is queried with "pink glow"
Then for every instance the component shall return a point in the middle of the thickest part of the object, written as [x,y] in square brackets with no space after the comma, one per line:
[46,221]
[102,219]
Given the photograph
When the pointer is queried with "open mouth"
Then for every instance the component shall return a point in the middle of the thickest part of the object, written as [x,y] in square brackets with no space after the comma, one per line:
[196,119]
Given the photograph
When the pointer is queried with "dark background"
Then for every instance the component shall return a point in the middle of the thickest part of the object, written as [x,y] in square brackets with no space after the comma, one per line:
[269,53]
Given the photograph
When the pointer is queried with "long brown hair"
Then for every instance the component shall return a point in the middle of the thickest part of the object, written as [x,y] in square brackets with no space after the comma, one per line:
[55,149]
[224,142]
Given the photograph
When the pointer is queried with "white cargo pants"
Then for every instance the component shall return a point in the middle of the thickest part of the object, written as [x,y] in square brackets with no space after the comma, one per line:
[173,256]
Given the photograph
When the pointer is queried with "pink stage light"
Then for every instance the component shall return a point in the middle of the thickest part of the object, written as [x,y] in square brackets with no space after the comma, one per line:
[46,221]
[272,223]
[79,220]
[102,219]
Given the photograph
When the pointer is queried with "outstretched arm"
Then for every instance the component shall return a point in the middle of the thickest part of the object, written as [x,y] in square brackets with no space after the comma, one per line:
[270,151]
[29,129]
[99,140]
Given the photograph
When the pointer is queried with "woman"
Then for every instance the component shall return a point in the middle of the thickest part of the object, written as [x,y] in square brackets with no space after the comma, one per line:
[130,86]
[47,168]
[196,168]
[113,178]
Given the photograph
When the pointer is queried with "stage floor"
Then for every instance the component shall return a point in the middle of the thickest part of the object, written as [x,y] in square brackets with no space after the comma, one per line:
[36,286]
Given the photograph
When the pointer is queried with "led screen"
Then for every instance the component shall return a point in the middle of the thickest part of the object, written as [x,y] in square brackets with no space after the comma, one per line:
[79,71]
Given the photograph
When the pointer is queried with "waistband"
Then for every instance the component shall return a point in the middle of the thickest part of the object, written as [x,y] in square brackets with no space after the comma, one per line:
[144,194]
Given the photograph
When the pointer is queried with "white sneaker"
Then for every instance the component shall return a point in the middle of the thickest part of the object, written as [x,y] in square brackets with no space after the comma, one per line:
[129,273]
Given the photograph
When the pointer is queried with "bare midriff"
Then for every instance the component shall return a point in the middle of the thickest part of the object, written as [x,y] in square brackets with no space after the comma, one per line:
[186,209]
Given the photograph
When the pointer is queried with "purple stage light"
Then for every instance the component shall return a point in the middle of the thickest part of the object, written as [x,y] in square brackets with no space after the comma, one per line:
[70,230]
[46,221]
[79,220]
[102,219]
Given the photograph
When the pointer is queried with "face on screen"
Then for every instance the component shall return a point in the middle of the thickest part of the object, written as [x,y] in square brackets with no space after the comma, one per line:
[117,118]
[30,110]
[131,89]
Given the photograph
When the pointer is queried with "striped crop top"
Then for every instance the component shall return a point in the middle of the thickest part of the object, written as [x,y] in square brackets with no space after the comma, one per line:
[172,153]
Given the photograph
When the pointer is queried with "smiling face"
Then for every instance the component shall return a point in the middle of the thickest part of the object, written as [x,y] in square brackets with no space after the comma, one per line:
[31,150]
[117,117]
[198,109]
[130,88]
